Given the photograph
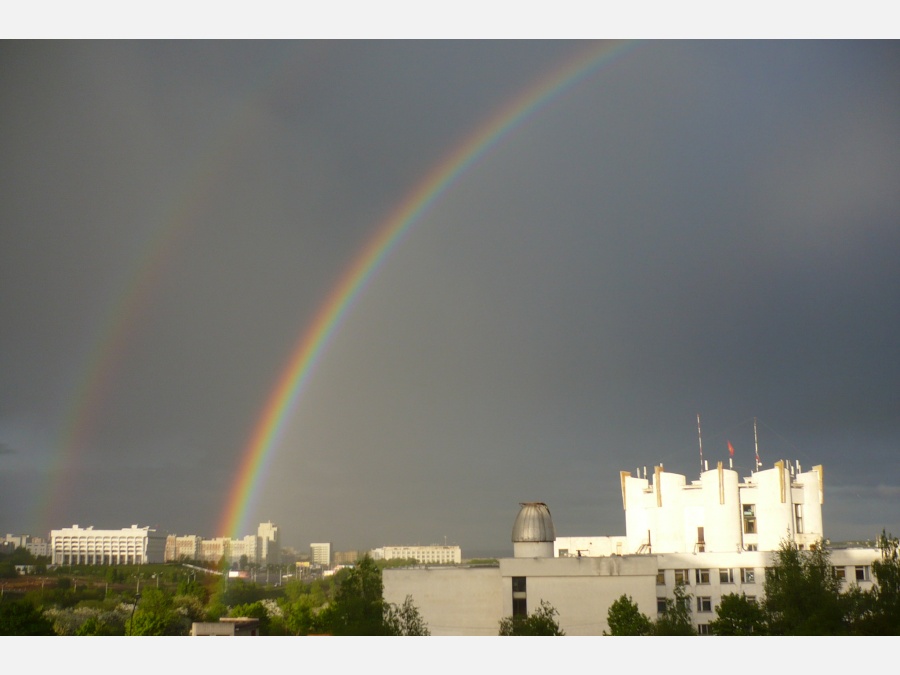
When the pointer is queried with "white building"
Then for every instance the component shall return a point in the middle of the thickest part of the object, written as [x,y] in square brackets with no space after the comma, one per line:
[87,546]
[269,544]
[36,546]
[185,547]
[434,554]
[320,554]
[717,535]
[212,550]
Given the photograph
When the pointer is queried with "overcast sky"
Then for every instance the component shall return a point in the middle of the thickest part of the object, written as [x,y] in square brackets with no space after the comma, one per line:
[696,227]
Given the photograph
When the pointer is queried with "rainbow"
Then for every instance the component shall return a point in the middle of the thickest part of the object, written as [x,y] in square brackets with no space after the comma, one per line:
[95,378]
[271,423]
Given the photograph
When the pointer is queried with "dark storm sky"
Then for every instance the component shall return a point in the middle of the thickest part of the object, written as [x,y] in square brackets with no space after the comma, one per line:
[697,227]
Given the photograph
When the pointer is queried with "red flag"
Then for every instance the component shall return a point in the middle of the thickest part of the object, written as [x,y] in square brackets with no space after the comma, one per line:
[730,449]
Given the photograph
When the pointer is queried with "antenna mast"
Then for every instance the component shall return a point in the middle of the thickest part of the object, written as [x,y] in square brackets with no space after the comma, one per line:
[700,439]
[756,443]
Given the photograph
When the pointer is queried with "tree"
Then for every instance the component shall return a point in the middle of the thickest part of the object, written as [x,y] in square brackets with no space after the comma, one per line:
[884,615]
[676,619]
[96,626]
[540,622]
[738,615]
[255,610]
[403,619]
[803,595]
[624,618]
[20,617]
[357,608]
[155,615]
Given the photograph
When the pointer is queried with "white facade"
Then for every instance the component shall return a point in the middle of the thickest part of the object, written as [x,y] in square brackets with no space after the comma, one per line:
[269,544]
[473,600]
[709,576]
[719,513]
[320,554]
[87,546]
[186,547]
[435,554]
[232,549]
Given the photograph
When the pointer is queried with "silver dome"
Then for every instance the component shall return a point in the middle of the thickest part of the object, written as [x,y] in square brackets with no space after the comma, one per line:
[533,523]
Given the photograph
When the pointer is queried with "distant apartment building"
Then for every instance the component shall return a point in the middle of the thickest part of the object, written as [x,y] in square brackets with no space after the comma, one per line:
[260,549]
[346,557]
[86,546]
[212,550]
[186,547]
[269,544]
[320,554]
[434,554]
[36,546]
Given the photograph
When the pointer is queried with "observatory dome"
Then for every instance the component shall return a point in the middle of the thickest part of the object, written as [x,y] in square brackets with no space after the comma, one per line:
[533,524]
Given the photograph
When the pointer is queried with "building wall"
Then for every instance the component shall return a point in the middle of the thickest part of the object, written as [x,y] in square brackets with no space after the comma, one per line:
[183,548]
[665,514]
[320,553]
[269,544]
[87,546]
[574,547]
[434,555]
[451,600]
[710,576]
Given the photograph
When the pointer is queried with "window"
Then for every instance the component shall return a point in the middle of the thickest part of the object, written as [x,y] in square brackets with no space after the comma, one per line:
[660,605]
[701,542]
[703,629]
[748,575]
[751,598]
[798,518]
[704,604]
[726,576]
[519,601]
[702,576]
[862,572]
[682,577]
[660,578]
[563,553]
[840,573]
[749,518]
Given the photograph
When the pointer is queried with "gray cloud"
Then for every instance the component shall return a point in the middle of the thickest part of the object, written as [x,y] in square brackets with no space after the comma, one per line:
[697,227]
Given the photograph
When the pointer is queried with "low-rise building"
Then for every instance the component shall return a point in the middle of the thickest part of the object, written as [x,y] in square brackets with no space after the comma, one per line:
[128,546]
[434,554]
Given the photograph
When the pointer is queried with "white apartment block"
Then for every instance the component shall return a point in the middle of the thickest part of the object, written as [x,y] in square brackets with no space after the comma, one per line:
[213,550]
[186,547]
[434,554]
[86,546]
[36,546]
[320,554]
[269,544]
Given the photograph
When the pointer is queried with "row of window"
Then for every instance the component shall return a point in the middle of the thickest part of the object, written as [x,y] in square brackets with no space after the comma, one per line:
[747,575]
[702,576]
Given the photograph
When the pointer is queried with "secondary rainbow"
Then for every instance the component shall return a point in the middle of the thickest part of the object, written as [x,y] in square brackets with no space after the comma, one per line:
[272,421]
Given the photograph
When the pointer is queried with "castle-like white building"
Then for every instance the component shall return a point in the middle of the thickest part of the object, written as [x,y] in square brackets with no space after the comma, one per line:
[716,535]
